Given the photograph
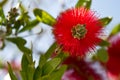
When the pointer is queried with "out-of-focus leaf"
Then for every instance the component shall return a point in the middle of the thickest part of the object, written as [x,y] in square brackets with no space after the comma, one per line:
[2,16]
[2,66]
[104,43]
[2,45]
[105,21]
[24,18]
[20,42]
[56,75]
[50,66]
[9,30]
[115,30]
[44,17]
[17,26]
[102,55]
[12,76]
[44,57]
[28,67]
[22,8]
[3,2]
[2,35]
[30,25]
[84,3]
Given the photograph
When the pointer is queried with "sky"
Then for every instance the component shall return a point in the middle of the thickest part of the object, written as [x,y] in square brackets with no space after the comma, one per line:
[108,8]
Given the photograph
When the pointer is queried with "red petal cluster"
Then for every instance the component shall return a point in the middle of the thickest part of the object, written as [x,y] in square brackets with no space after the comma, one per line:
[113,64]
[79,69]
[64,25]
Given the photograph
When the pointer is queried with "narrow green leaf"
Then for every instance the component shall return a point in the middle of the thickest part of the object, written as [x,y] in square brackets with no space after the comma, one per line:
[12,76]
[24,66]
[37,74]
[44,57]
[104,43]
[50,66]
[44,17]
[56,75]
[30,25]
[62,55]
[20,42]
[115,30]
[2,16]
[102,55]
[28,68]
[42,60]
[51,50]
[84,3]
[17,40]
[105,21]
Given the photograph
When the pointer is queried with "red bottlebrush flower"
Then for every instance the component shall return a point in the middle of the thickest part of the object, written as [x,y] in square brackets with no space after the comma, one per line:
[112,77]
[77,30]
[113,64]
[79,69]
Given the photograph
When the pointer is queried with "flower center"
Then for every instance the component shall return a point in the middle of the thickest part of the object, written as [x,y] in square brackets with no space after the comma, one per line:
[79,31]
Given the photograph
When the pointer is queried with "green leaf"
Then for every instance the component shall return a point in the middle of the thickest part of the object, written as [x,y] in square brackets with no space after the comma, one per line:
[115,30]
[102,55]
[20,42]
[104,43]
[30,25]
[51,50]
[44,57]
[46,77]
[62,55]
[105,21]
[24,66]
[44,17]
[37,74]
[2,16]
[56,75]
[28,67]
[12,76]
[84,3]
[42,60]
[50,66]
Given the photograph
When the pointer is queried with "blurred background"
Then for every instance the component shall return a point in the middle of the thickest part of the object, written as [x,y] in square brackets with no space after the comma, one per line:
[41,42]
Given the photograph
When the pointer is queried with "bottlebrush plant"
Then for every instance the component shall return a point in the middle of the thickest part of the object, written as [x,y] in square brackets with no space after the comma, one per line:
[78,32]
